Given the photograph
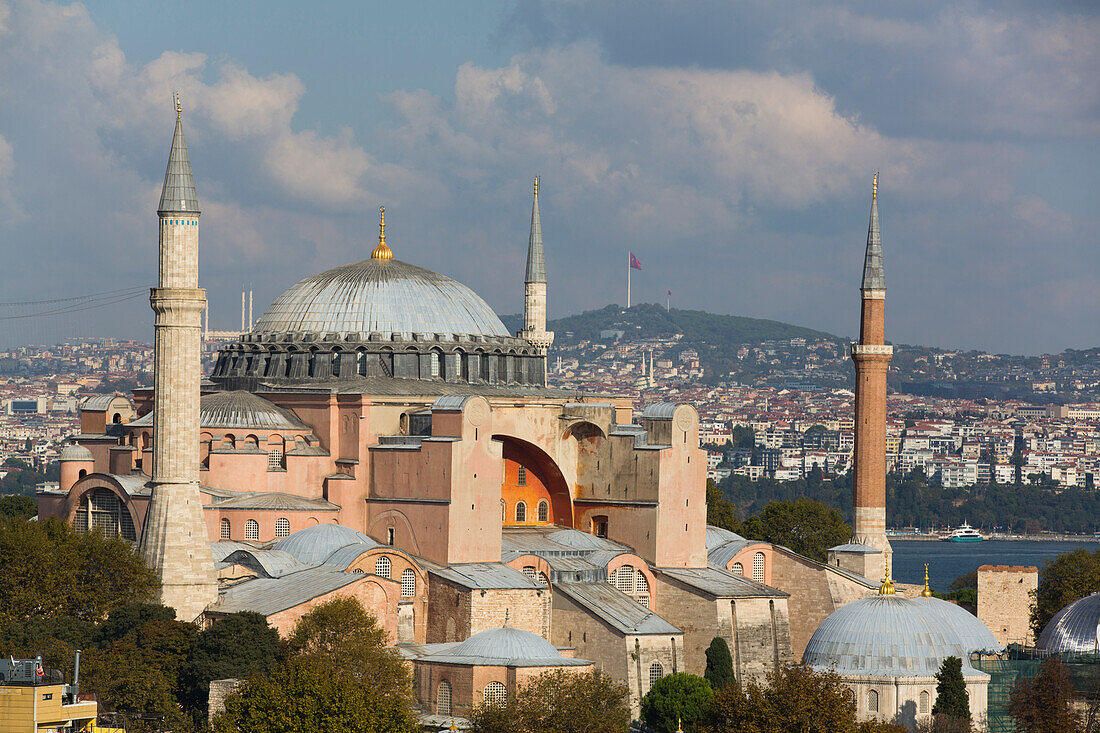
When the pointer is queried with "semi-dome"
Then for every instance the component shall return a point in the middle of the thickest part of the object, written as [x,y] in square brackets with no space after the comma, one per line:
[238,410]
[1076,628]
[506,647]
[884,636]
[313,545]
[383,296]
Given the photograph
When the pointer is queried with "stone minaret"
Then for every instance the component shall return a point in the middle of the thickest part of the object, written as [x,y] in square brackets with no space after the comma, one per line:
[534,302]
[872,357]
[174,540]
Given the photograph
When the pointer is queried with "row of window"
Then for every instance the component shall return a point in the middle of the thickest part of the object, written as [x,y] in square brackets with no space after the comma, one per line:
[924,703]
[179,221]
[495,693]
[631,581]
[542,511]
[252,529]
[383,568]
[757,567]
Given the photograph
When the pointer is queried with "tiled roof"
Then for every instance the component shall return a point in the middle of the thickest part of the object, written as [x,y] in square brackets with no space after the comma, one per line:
[618,610]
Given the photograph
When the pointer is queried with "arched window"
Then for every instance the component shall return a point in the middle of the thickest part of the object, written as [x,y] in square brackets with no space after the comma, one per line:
[758,567]
[101,509]
[503,511]
[623,579]
[544,510]
[495,693]
[282,527]
[252,530]
[443,699]
[738,569]
[529,571]
[275,459]
[435,363]
[872,701]
[226,531]
[521,511]
[521,476]
[543,580]
[382,567]
[656,672]
[408,583]
[641,585]
[924,700]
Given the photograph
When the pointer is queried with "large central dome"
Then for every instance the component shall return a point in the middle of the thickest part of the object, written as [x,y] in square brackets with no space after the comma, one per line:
[383,296]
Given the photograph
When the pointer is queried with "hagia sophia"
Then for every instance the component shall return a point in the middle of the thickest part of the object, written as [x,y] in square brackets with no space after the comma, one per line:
[380,434]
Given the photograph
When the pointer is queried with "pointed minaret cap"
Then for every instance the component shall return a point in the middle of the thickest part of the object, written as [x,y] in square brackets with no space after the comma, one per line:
[927,592]
[536,261]
[178,196]
[874,272]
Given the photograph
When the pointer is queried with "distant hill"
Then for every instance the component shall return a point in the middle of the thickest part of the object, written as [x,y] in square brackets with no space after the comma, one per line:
[649,320]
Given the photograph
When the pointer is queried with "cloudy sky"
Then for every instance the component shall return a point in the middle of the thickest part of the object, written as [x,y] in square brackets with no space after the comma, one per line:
[729,145]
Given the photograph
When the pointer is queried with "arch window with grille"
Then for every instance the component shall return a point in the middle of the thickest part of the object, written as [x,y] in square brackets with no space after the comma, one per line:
[529,572]
[872,701]
[543,580]
[382,567]
[758,567]
[544,510]
[275,459]
[408,583]
[656,672]
[623,579]
[521,476]
[226,531]
[252,530]
[101,509]
[282,527]
[443,698]
[521,511]
[925,699]
[495,693]
[738,569]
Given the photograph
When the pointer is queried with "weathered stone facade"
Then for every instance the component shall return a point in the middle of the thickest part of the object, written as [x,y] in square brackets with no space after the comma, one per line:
[1005,600]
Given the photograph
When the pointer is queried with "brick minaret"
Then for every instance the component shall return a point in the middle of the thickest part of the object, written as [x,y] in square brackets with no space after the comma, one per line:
[872,358]
[174,540]
[534,301]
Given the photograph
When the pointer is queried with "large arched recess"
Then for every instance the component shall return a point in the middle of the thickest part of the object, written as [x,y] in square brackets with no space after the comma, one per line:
[546,471]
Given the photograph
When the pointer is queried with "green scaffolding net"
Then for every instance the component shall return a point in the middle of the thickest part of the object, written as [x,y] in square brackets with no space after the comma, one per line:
[1020,663]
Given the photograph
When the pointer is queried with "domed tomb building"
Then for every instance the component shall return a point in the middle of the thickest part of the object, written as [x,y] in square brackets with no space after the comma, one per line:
[391,400]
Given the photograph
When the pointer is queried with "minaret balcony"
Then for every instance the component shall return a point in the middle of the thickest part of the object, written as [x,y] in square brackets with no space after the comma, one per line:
[872,350]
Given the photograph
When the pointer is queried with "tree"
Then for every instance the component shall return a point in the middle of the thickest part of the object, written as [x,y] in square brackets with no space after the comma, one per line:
[559,701]
[795,698]
[346,638]
[815,478]
[1044,704]
[1062,581]
[238,645]
[676,698]
[806,526]
[719,671]
[52,570]
[720,512]
[302,695]
[17,507]
[952,702]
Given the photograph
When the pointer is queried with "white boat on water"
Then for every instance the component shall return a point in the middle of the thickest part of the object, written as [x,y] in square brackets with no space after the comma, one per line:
[964,533]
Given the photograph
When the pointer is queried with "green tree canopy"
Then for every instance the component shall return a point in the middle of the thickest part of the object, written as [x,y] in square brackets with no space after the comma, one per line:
[719,670]
[52,570]
[1044,704]
[1062,581]
[720,512]
[303,695]
[238,645]
[17,507]
[677,698]
[795,698]
[806,526]
[951,699]
[559,701]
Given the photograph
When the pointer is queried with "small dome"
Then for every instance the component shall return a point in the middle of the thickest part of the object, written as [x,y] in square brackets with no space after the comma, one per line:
[75,453]
[974,635]
[1076,628]
[313,545]
[380,296]
[509,647]
[239,410]
[884,636]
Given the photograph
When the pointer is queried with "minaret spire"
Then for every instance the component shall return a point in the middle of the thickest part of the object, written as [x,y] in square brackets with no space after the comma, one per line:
[174,539]
[874,272]
[534,302]
[381,252]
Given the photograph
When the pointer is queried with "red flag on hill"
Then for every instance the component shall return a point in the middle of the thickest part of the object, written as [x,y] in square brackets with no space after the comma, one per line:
[634,264]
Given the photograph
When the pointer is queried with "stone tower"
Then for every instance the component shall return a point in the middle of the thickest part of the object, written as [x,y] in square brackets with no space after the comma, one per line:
[534,303]
[872,358]
[175,541]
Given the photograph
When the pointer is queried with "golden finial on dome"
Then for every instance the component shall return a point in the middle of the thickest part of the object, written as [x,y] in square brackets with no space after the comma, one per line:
[536,186]
[887,587]
[874,187]
[927,592]
[381,252]
[179,107]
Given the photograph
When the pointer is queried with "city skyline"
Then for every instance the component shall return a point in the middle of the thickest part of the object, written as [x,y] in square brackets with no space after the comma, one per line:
[444,115]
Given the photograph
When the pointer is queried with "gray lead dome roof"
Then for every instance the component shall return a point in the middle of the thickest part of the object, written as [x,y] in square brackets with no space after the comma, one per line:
[380,296]
[1076,628]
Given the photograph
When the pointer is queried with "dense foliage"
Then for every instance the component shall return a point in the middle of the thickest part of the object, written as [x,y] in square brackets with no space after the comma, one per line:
[559,702]
[952,701]
[677,698]
[1044,704]
[795,698]
[719,669]
[1063,580]
[806,526]
[22,479]
[14,506]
